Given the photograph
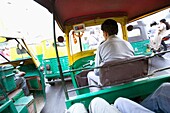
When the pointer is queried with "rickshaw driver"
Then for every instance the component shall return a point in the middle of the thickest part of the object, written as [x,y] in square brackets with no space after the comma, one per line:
[113,48]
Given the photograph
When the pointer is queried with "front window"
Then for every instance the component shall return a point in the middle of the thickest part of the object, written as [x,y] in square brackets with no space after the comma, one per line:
[88,40]
[134,33]
[11,51]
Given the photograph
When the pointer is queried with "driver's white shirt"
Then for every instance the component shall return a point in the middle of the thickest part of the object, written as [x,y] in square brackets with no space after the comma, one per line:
[113,48]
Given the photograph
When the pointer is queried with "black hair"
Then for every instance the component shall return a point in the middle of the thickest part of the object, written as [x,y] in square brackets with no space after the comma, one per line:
[153,24]
[110,26]
[166,23]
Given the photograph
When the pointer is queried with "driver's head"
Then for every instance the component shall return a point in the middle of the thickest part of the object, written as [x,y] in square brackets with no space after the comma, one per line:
[110,27]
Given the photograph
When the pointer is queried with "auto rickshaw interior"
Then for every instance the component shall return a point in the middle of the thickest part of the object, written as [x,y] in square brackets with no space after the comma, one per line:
[81,60]
[20,58]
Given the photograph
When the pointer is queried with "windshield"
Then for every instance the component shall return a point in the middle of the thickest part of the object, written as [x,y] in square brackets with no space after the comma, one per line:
[11,50]
[90,39]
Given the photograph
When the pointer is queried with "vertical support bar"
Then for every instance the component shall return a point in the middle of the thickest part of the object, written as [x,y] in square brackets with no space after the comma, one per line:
[124,31]
[80,41]
[59,65]
[74,82]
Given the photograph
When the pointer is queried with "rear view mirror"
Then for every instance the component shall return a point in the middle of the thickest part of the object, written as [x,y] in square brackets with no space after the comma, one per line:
[60,42]
[60,39]
[20,49]
[130,28]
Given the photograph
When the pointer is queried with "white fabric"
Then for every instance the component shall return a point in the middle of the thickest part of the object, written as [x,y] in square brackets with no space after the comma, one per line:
[159,33]
[99,105]
[153,34]
[127,106]
[162,30]
[93,80]
[77,108]
[112,49]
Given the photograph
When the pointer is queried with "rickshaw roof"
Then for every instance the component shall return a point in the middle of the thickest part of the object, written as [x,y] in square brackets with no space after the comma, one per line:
[69,12]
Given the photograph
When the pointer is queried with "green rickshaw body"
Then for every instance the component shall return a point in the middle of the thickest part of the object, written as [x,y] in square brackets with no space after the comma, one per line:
[49,59]
[12,97]
[139,39]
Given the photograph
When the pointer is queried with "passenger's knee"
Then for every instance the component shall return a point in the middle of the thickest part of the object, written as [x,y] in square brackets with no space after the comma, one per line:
[77,108]
[119,101]
[163,89]
[166,84]
[78,105]
[97,100]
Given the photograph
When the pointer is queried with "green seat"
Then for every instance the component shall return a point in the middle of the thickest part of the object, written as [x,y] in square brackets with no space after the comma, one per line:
[15,95]
[8,107]
[28,101]
[22,109]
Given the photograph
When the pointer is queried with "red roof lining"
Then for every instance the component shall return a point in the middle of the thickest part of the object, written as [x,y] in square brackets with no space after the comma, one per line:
[76,20]
[88,8]
[72,11]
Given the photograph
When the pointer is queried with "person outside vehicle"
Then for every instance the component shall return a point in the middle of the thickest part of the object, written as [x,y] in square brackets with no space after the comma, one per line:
[153,34]
[157,34]
[157,102]
[164,31]
[113,48]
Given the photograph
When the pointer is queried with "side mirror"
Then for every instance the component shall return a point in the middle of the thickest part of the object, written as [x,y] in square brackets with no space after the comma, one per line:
[130,27]
[20,49]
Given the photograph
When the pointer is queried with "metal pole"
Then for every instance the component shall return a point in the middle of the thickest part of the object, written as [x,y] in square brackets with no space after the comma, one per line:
[80,41]
[57,56]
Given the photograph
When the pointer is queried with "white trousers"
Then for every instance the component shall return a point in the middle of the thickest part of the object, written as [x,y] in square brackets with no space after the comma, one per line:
[77,108]
[99,105]
[128,106]
[93,80]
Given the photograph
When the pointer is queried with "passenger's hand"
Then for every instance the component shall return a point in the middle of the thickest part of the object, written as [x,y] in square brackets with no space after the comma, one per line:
[21,73]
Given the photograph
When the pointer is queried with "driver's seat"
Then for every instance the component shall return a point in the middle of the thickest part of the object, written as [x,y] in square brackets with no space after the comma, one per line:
[123,70]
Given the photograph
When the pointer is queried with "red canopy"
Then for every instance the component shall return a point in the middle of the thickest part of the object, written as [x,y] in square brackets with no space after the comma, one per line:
[75,11]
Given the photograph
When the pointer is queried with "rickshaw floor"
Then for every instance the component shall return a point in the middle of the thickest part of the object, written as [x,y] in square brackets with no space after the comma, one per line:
[55,98]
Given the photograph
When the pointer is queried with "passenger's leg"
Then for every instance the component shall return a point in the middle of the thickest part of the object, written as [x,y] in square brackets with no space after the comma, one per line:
[164,45]
[77,108]
[99,105]
[25,87]
[93,80]
[21,82]
[128,106]
[159,101]
[18,81]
